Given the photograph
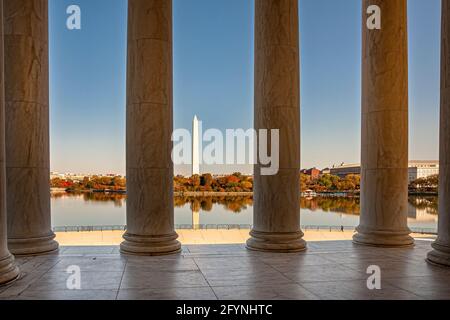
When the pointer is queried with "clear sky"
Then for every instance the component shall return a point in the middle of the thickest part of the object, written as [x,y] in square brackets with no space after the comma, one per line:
[213,78]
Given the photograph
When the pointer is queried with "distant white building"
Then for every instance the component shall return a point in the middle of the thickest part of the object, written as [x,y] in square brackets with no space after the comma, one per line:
[416,169]
[345,169]
[422,169]
[54,175]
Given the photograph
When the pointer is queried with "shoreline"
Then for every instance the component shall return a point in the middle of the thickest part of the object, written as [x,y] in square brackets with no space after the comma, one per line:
[198,194]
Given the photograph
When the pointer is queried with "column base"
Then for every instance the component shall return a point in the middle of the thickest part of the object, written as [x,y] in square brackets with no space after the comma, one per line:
[8,270]
[440,255]
[288,242]
[33,246]
[383,238]
[150,245]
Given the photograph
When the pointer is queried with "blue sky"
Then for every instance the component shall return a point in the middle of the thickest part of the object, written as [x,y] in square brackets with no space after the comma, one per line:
[213,78]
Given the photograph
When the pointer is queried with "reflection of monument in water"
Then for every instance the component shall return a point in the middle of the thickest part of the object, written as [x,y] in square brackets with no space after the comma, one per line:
[195,218]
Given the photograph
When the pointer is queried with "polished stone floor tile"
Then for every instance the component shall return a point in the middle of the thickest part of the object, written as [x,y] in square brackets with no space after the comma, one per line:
[245,276]
[68,295]
[327,270]
[145,259]
[159,279]
[331,246]
[97,280]
[323,273]
[399,269]
[40,263]
[166,265]
[292,263]
[24,281]
[356,290]
[88,250]
[256,292]
[433,287]
[357,256]
[198,293]
[229,263]
[411,255]
[21,260]
[208,249]
[97,264]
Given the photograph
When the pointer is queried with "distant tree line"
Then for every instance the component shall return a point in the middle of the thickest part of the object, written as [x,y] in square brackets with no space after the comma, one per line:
[425,185]
[90,183]
[236,182]
[328,182]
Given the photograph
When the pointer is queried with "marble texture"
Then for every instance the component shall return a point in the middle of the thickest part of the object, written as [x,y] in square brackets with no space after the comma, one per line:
[277,106]
[384,142]
[327,270]
[8,269]
[27,127]
[150,212]
[441,252]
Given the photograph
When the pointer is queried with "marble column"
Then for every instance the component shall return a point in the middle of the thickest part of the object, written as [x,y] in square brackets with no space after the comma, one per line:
[384,145]
[276,218]
[150,207]
[441,247]
[27,127]
[8,270]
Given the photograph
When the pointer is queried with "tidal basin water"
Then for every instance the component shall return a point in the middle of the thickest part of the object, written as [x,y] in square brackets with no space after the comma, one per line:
[95,210]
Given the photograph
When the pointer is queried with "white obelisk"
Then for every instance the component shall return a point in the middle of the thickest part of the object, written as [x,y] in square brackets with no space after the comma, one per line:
[195,146]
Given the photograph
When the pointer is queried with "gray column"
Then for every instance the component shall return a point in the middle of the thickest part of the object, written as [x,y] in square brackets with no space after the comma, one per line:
[150,207]
[8,270]
[276,218]
[384,145]
[27,127]
[441,253]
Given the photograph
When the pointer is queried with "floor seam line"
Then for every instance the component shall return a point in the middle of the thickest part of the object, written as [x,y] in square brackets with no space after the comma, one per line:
[121,279]
[206,279]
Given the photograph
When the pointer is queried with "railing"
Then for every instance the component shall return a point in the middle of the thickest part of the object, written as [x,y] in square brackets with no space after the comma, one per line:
[179,227]
[89,228]
[330,228]
[429,231]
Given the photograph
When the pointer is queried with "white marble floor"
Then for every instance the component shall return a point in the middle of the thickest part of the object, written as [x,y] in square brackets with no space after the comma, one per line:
[328,270]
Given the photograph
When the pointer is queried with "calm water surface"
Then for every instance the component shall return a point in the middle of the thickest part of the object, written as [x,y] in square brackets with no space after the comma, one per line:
[109,210]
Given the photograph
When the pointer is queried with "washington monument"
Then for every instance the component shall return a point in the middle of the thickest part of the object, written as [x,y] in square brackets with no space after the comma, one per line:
[195,146]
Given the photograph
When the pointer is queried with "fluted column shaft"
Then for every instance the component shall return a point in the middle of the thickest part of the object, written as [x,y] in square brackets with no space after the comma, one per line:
[276,219]
[27,127]
[150,208]
[8,270]
[384,145]
[441,252]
